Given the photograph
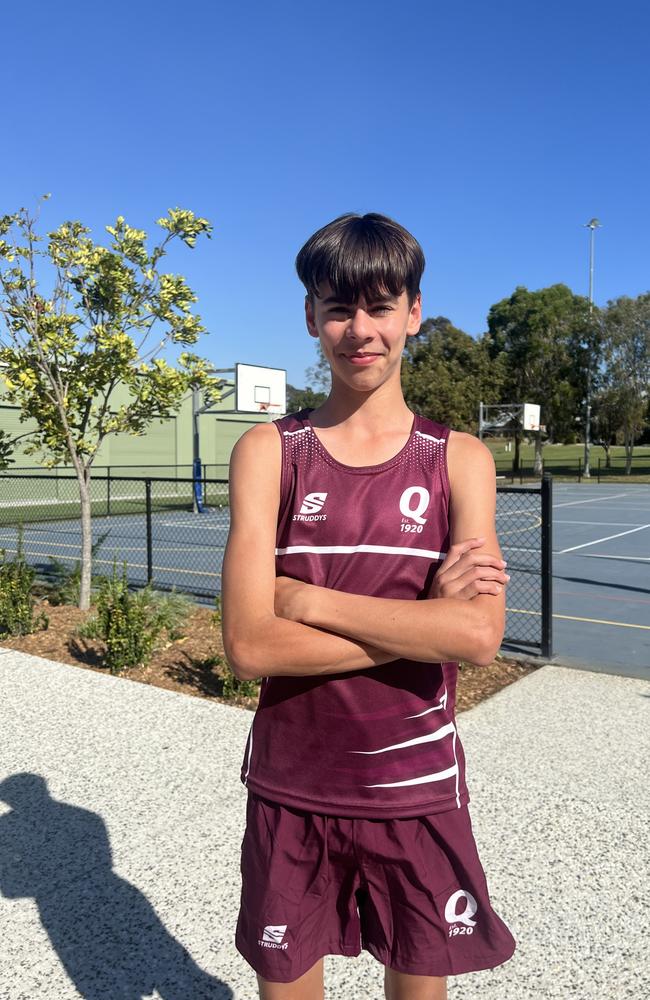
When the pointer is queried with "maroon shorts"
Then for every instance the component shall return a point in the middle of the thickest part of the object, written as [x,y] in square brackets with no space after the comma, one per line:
[410,891]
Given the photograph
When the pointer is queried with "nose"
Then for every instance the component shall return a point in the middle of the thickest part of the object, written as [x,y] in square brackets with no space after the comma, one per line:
[359,325]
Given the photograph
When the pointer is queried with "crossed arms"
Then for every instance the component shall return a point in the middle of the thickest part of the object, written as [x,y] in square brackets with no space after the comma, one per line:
[285,627]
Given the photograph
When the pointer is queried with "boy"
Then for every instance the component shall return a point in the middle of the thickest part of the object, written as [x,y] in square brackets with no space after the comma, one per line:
[362,564]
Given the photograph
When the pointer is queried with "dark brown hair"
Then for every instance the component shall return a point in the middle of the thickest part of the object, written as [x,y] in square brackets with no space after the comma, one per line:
[369,255]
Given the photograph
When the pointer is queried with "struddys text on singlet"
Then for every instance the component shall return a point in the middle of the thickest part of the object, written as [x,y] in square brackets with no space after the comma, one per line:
[380,742]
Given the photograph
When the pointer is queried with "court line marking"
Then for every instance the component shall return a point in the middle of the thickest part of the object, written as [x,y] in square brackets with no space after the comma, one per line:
[132,565]
[613,524]
[598,555]
[572,503]
[575,618]
[608,538]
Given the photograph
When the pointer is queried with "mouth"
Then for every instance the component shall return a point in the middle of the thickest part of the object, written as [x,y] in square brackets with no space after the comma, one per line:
[361,358]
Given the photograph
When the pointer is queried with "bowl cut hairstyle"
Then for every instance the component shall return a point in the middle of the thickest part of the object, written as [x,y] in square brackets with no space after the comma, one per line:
[369,255]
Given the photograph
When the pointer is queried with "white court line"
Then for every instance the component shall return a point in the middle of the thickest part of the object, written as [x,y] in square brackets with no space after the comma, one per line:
[606,539]
[596,555]
[572,503]
[613,524]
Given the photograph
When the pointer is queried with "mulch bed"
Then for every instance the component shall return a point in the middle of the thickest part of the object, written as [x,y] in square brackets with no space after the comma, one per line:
[194,664]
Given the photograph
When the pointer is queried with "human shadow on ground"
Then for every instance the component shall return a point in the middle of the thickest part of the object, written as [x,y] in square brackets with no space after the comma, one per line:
[106,933]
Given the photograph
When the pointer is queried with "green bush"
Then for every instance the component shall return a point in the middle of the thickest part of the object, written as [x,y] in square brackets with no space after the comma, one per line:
[233,688]
[16,601]
[132,623]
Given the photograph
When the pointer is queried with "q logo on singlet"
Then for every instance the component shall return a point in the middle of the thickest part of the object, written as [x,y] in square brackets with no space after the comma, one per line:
[421,497]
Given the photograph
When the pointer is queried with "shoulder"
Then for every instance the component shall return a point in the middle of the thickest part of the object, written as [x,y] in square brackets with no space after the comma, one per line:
[468,459]
[261,445]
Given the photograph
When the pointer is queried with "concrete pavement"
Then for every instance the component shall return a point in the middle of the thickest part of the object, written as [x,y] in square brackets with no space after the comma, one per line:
[122,815]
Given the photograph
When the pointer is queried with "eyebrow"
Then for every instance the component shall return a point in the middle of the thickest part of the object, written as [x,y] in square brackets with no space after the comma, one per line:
[335,300]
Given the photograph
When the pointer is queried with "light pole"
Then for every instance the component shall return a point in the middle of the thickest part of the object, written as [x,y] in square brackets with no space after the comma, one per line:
[593,225]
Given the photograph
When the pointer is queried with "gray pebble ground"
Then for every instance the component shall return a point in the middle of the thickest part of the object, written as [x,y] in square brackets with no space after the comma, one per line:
[557,767]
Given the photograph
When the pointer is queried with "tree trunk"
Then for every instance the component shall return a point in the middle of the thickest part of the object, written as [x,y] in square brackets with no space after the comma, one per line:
[629,450]
[539,464]
[83,476]
[608,457]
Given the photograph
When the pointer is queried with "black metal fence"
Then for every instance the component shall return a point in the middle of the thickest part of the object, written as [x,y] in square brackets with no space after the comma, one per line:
[150,524]
[525,530]
[639,466]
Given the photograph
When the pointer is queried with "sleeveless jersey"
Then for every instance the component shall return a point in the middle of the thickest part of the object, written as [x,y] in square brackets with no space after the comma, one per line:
[380,742]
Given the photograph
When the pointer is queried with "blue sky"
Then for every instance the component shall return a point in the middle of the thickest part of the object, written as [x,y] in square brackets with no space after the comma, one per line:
[491,131]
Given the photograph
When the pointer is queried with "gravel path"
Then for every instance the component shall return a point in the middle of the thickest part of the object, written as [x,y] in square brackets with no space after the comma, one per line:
[119,870]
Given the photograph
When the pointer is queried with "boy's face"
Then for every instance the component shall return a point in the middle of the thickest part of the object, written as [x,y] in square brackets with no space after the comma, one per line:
[363,341]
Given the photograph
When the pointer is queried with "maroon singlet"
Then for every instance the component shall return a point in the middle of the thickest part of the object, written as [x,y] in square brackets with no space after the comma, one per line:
[380,742]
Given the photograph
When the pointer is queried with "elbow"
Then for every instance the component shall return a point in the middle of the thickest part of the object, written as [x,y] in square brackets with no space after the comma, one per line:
[242,659]
[487,644]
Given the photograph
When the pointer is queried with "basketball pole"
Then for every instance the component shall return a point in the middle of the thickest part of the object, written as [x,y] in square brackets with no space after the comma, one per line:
[592,225]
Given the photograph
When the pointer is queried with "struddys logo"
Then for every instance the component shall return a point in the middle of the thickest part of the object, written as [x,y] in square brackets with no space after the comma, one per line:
[273,937]
[461,923]
[311,508]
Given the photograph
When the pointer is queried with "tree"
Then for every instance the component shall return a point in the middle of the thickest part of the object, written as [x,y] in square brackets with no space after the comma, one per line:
[66,349]
[541,338]
[627,356]
[303,399]
[319,376]
[446,373]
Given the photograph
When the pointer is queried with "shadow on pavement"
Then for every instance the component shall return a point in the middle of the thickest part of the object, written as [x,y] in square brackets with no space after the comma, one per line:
[106,933]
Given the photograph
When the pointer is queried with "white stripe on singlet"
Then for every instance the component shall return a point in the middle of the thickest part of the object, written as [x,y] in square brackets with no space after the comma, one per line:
[389,550]
[430,437]
[427,738]
[423,780]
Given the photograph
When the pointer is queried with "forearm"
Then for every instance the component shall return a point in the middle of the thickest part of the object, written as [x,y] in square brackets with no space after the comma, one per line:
[272,646]
[430,630]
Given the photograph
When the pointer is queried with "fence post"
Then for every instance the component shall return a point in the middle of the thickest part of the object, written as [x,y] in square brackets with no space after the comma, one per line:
[108,490]
[599,471]
[579,470]
[147,487]
[547,565]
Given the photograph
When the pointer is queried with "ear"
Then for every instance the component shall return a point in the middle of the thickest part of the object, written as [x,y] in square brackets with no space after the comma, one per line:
[415,317]
[309,318]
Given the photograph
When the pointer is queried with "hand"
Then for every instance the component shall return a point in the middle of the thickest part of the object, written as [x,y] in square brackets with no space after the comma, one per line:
[466,573]
[288,594]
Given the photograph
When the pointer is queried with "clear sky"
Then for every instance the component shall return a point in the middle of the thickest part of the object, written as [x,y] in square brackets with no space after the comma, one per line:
[493,131]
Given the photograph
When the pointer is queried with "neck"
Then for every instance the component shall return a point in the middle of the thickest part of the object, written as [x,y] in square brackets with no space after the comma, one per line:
[383,407]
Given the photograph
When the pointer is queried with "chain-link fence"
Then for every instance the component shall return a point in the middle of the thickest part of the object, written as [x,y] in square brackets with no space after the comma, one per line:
[151,525]
[524,528]
[148,523]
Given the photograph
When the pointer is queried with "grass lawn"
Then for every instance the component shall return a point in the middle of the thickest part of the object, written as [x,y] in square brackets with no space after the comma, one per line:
[562,460]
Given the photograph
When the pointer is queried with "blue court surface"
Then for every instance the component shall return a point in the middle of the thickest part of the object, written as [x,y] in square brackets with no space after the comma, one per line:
[601,576]
[601,564]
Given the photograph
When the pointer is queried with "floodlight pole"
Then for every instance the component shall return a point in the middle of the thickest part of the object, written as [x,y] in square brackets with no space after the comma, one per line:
[592,225]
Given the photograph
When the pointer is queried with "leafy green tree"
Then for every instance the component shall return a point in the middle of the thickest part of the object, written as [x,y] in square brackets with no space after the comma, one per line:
[446,373]
[318,375]
[303,399]
[545,340]
[67,347]
[627,357]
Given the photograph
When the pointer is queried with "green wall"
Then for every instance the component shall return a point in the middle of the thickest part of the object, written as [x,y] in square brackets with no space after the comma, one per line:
[165,443]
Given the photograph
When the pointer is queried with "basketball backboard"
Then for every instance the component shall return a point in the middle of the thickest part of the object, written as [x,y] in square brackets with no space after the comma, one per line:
[260,390]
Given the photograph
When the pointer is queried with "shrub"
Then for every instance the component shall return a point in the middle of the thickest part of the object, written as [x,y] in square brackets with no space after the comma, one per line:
[131,623]
[16,601]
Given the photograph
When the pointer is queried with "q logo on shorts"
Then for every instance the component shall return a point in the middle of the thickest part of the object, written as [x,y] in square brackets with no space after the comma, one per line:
[465,917]
[422,502]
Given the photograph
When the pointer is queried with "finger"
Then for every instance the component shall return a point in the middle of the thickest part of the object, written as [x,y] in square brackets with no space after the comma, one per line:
[458,550]
[477,587]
